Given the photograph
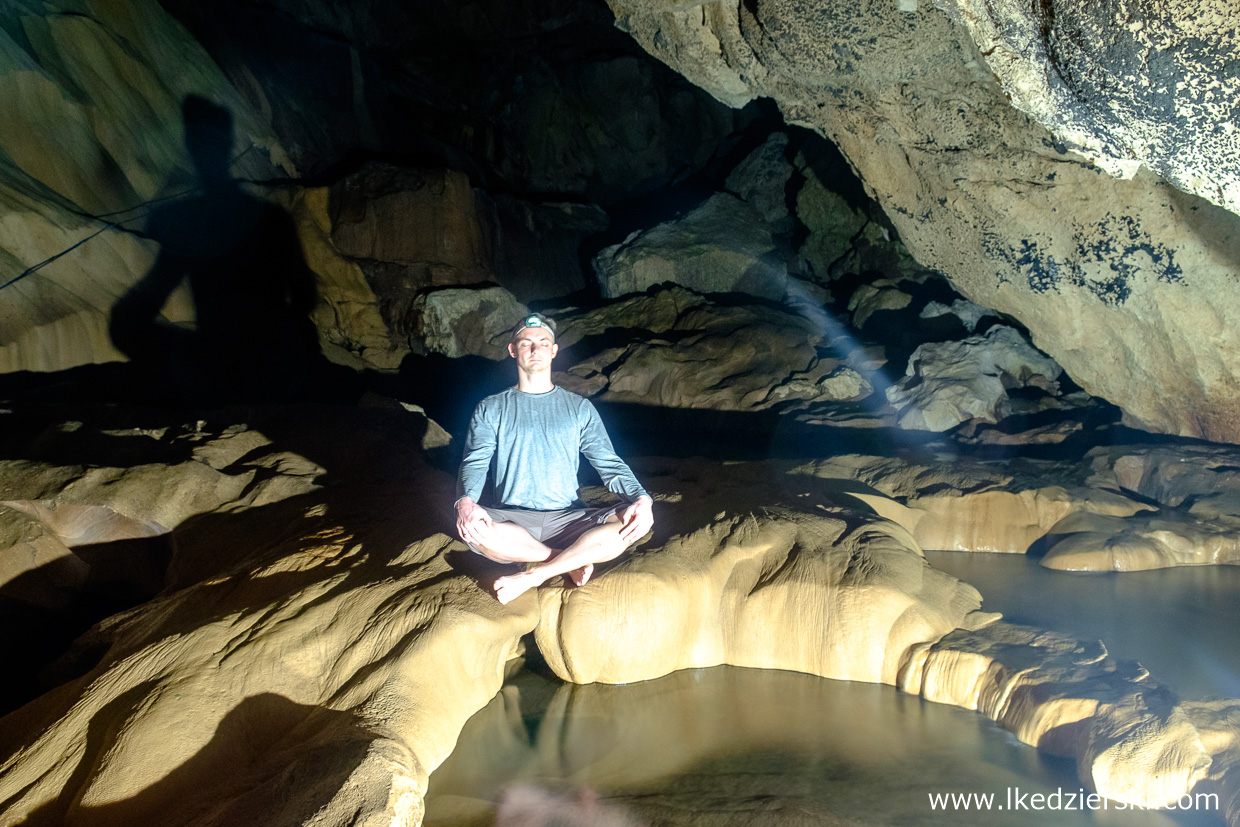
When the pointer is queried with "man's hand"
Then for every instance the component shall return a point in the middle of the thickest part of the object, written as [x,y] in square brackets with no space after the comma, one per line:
[637,518]
[473,522]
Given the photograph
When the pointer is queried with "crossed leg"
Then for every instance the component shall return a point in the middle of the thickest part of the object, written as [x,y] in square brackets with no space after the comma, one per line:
[510,543]
[598,545]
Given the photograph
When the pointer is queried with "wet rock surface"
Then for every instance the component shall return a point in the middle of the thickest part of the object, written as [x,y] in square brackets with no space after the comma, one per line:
[320,622]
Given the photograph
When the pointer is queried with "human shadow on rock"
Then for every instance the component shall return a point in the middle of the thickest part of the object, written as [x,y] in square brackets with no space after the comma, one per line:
[59,601]
[270,760]
[252,292]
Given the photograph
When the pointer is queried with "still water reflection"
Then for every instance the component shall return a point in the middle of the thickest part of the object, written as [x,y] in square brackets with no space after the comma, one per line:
[730,746]
[1179,623]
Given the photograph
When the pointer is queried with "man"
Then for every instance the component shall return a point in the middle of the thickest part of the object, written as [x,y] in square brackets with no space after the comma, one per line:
[533,434]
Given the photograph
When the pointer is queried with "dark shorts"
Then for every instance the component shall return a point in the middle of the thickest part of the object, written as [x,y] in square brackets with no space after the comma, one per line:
[557,529]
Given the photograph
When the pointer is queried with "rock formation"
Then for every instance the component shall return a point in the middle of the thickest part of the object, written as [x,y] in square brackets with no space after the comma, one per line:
[701,354]
[317,649]
[946,384]
[1092,265]
[723,246]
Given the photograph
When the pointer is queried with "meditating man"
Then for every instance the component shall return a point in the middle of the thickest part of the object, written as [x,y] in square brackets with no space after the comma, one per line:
[533,434]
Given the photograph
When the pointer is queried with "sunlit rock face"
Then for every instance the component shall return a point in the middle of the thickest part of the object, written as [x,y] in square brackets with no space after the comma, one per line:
[92,99]
[1126,283]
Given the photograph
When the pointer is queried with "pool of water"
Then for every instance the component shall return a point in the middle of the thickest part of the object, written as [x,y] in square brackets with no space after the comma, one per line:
[1179,623]
[729,746]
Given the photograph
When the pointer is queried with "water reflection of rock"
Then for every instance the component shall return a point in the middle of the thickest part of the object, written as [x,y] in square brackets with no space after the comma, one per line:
[734,744]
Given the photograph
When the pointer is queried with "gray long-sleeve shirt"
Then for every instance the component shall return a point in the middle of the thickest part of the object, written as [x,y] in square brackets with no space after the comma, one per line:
[534,441]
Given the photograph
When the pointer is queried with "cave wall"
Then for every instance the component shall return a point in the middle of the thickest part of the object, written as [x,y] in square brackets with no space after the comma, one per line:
[539,110]
[1127,282]
[90,99]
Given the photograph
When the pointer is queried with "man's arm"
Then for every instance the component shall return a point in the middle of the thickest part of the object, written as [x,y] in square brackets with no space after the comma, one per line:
[479,449]
[597,449]
[638,516]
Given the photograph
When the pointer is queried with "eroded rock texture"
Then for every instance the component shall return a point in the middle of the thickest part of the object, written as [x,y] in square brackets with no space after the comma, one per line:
[321,638]
[1127,283]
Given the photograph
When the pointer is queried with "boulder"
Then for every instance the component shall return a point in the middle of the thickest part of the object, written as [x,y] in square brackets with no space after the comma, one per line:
[704,355]
[953,382]
[722,246]
[465,321]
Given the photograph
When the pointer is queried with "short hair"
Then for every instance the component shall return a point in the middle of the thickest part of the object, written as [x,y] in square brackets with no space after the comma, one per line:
[534,320]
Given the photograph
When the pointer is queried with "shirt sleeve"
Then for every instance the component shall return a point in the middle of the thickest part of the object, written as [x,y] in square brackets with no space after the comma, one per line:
[479,449]
[597,449]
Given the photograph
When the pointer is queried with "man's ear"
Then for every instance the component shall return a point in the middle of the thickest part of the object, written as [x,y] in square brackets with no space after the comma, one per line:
[512,349]
[555,348]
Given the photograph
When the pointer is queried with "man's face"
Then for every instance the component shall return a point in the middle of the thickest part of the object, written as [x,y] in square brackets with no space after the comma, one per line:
[534,348]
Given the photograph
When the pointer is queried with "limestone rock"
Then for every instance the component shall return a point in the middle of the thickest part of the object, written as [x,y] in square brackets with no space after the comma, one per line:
[461,321]
[953,382]
[706,355]
[410,229]
[761,180]
[96,129]
[1132,741]
[966,311]
[537,244]
[1091,265]
[959,504]
[1197,490]
[832,222]
[1138,543]
[869,298]
[717,595]
[721,246]
[1164,104]
[199,731]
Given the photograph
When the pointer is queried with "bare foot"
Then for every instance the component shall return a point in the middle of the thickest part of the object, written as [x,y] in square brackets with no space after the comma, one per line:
[582,575]
[509,588]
